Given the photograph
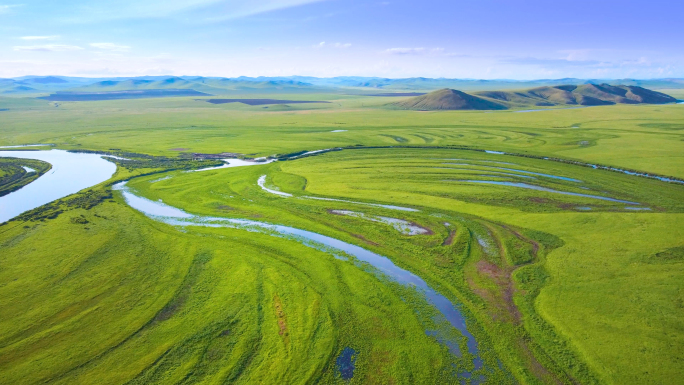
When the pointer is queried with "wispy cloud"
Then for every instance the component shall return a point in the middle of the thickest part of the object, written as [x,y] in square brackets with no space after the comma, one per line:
[53,37]
[110,47]
[196,11]
[8,8]
[413,51]
[48,48]
[332,45]
[551,62]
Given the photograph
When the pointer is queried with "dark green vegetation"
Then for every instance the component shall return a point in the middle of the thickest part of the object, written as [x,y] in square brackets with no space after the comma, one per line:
[14,175]
[557,288]
[564,95]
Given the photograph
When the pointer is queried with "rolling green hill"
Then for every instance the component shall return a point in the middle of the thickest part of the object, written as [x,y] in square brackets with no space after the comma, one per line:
[571,95]
[448,99]
[583,95]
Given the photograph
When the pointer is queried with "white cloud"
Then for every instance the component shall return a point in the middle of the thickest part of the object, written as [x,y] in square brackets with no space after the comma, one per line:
[53,37]
[413,51]
[189,10]
[576,54]
[110,47]
[8,8]
[48,48]
[332,45]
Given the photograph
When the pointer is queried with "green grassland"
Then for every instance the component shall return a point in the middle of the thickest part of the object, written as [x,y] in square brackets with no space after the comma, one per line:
[14,176]
[641,137]
[556,288]
[400,177]
[677,93]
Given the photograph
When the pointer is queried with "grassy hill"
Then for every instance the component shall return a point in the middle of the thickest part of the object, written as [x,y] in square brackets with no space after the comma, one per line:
[582,95]
[448,99]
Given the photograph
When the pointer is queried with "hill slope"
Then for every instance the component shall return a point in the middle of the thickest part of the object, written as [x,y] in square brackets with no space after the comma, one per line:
[448,99]
[583,95]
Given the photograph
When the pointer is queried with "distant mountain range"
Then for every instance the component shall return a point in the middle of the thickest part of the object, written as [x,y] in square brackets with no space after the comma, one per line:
[29,85]
[563,95]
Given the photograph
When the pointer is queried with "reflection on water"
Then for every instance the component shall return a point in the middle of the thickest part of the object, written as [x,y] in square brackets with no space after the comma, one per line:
[516,170]
[402,226]
[491,172]
[236,163]
[345,363]
[390,207]
[262,183]
[70,173]
[539,188]
[28,145]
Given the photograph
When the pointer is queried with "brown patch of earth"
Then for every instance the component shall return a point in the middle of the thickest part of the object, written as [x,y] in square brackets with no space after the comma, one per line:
[539,200]
[381,371]
[282,320]
[502,279]
[535,245]
[179,149]
[450,239]
[537,368]
[428,230]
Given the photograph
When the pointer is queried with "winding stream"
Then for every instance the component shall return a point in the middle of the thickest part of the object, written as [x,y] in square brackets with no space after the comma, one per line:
[539,188]
[177,217]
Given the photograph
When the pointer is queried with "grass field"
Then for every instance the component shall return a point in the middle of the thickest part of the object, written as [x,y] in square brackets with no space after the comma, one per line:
[566,274]
[17,173]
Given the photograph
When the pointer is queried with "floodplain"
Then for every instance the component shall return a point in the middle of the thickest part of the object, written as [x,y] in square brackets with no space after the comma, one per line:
[561,272]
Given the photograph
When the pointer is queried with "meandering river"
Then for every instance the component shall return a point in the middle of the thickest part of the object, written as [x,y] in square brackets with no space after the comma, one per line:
[70,173]
[177,217]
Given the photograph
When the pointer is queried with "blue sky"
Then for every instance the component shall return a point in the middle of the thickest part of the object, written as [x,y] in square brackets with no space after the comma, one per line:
[486,39]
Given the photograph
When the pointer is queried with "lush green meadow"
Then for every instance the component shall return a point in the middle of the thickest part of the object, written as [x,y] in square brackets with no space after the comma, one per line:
[561,283]
[640,137]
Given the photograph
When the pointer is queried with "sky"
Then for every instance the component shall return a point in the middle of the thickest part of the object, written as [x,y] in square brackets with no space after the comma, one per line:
[477,39]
